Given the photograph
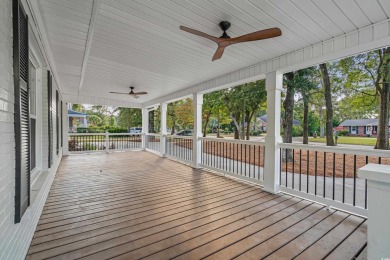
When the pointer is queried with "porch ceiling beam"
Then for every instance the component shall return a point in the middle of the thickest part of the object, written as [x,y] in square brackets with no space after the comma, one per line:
[83,99]
[91,29]
[368,38]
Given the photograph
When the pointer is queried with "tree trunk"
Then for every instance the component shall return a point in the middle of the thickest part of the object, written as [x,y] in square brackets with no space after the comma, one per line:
[328,105]
[242,132]
[206,123]
[236,134]
[382,140]
[218,126]
[288,105]
[237,127]
[248,129]
[287,122]
[305,120]
[173,129]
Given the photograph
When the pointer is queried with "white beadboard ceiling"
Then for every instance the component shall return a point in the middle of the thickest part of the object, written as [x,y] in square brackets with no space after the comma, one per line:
[139,42]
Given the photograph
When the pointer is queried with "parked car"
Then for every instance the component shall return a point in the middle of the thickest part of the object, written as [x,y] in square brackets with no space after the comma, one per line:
[185,132]
[136,130]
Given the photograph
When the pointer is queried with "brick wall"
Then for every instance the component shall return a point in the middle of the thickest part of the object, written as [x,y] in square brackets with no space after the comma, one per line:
[15,238]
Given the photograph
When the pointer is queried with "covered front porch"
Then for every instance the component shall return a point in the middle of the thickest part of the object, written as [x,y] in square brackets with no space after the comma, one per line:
[136,204]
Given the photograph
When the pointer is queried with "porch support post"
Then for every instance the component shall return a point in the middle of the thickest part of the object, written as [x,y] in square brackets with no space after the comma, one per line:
[65,129]
[378,228]
[197,133]
[274,84]
[163,124]
[145,126]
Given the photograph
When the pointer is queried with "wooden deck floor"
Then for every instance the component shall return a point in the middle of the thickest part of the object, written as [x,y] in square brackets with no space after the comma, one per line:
[131,205]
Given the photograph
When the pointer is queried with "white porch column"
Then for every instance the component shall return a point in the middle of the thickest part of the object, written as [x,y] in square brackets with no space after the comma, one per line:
[163,124]
[65,129]
[274,84]
[196,143]
[378,228]
[145,126]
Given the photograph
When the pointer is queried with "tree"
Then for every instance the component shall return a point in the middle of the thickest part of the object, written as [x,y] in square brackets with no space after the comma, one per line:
[78,107]
[305,83]
[185,113]
[129,117]
[242,102]
[328,104]
[368,74]
[288,106]
[94,120]
[255,95]
[212,105]
[180,114]
[171,116]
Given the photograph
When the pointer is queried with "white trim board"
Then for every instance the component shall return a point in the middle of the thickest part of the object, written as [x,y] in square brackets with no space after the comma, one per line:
[81,99]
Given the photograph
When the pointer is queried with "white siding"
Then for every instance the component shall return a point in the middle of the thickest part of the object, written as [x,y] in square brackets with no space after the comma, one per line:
[15,238]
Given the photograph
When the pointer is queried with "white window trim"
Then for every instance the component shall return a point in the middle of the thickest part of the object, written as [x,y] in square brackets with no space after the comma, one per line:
[33,58]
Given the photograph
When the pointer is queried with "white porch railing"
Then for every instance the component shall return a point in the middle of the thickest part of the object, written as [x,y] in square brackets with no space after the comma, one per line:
[152,142]
[179,147]
[328,174]
[92,142]
[323,174]
[237,158]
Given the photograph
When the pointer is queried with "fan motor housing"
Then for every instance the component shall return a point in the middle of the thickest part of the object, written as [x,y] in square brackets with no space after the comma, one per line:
[224,25]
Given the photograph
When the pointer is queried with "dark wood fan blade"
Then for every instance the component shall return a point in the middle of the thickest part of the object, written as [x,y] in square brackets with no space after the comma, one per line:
[119,93]
[218,54]
[140,93]
[255,36]
[199,33]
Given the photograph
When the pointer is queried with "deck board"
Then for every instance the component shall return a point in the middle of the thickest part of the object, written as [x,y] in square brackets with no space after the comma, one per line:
[130,205]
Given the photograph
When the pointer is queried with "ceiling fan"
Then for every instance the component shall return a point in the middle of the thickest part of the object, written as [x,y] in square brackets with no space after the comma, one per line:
[131,93]
[225,39]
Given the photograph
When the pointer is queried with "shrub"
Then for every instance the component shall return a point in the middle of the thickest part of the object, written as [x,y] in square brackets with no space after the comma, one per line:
[343,133]
[117,130]
[89,147]
[93,129]
[82,130]
[297,131]
[256,132]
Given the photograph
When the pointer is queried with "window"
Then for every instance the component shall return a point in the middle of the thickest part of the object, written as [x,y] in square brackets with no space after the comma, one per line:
[50,117]
[57,122]
[353,129]
[33,115]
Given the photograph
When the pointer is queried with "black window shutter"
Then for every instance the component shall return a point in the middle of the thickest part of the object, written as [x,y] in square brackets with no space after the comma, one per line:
[62,126]
[57,122]
[50,117]
[21,113]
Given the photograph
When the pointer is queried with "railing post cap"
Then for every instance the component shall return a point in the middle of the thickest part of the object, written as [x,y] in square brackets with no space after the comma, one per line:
[375,172]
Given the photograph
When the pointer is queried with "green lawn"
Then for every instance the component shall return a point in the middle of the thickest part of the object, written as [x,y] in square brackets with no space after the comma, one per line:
[348,140]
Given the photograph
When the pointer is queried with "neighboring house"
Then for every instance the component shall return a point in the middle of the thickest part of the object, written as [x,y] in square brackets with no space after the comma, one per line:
[76,119]
[262,125]
[360,127]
